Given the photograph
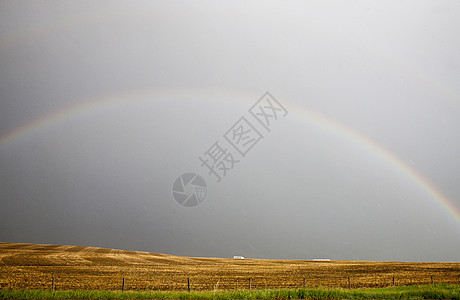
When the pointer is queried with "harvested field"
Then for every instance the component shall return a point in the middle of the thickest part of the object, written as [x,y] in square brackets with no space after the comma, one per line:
[32,266]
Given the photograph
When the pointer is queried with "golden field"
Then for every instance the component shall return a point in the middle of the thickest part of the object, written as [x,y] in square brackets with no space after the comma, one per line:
[32,266]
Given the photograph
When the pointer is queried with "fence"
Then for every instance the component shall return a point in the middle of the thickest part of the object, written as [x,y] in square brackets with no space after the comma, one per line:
[239,283]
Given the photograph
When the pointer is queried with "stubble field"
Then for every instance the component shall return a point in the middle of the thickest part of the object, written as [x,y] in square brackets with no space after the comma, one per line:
[32,266]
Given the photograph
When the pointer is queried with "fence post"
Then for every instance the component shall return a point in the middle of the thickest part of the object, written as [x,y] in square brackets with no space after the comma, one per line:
[304,282]
[52,284]
[188,284]
[432,281]
[393,280]
[123,285]
[250,283]
[349,282]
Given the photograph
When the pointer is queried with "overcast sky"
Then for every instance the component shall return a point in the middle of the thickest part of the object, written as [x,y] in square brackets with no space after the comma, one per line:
[103,104]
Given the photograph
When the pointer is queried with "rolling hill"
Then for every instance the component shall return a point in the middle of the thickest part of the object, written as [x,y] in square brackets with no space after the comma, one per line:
[32,266]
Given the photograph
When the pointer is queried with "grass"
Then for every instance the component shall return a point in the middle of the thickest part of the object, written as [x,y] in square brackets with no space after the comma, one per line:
[435,291]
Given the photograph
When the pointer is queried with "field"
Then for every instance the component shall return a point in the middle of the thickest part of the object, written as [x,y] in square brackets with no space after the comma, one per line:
[32,266]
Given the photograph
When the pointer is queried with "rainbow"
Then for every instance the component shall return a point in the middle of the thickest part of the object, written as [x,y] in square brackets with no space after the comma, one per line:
[384,154]
[245,99]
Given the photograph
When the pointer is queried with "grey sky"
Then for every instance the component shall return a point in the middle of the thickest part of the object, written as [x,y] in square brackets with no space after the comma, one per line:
[148,87]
